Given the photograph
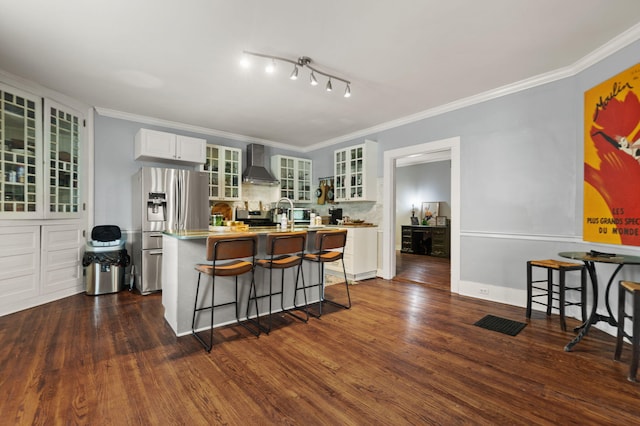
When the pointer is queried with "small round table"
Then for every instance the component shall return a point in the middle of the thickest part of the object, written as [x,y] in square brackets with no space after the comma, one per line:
[590,259]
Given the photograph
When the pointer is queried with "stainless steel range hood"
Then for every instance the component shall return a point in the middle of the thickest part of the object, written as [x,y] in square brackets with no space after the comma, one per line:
[256,173]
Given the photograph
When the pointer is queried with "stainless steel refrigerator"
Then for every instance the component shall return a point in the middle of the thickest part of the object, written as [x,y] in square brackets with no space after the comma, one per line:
[164,199]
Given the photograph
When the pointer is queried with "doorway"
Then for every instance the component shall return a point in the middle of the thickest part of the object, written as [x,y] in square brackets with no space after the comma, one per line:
[431,151]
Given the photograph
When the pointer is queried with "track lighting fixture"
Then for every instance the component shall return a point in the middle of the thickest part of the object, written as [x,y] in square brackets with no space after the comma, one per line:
[271,67]
[303,61]
[294,73]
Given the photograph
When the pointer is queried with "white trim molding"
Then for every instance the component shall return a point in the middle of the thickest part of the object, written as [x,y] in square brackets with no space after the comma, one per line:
[445,148]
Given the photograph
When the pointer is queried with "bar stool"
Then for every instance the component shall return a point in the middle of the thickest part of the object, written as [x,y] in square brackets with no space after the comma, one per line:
[285,250]
[329,246]
[634,289]
[549,291]
[232,248]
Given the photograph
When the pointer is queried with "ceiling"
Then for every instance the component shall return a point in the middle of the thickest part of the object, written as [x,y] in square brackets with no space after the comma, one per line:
[179,61]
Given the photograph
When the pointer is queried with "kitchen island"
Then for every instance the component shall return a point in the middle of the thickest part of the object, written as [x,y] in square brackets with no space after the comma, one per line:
[183,250]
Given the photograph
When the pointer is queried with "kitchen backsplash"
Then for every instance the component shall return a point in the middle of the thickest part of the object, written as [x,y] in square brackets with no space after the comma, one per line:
[368,211]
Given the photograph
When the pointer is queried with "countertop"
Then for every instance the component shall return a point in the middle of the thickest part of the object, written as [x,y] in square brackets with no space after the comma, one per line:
[260,230]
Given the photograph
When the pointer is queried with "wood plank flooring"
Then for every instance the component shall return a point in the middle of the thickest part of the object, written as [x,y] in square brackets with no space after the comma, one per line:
[406,353]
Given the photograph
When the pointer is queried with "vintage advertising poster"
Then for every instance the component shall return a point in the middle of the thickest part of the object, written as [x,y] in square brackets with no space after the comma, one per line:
[611,160]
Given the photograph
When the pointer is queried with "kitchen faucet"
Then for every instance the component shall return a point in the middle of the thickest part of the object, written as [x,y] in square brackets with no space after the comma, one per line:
[290,210]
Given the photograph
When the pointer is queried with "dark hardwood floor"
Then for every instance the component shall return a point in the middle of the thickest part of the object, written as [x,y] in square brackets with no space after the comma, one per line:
[406,353]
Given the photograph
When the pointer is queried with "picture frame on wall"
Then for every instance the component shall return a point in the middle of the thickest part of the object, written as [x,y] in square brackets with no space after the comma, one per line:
[441,221]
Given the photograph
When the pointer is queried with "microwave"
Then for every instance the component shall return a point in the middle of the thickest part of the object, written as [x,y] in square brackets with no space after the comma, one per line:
[301,216]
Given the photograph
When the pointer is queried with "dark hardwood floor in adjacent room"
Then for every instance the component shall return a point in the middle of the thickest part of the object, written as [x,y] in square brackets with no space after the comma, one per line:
[406,353]
[428,270]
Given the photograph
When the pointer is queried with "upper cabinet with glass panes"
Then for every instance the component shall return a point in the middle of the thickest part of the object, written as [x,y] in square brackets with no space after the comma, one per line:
[62,166]
[224,165]
[355,170]
[20,170]
[294,175]
[39,177]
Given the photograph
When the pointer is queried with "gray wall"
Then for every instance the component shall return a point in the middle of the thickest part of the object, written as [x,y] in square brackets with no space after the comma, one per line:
[115,165]
[521,171]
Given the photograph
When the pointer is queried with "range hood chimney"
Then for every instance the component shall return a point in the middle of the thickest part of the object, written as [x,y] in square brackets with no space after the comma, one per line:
[256,173]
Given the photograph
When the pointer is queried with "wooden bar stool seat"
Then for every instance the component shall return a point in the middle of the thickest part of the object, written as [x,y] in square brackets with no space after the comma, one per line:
[285,250]
[234,249]
[329,247]
[556,291]
[633,288]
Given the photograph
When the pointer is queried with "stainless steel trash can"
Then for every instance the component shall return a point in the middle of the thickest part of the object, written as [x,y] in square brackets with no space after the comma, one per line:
[104,261]
[103,278]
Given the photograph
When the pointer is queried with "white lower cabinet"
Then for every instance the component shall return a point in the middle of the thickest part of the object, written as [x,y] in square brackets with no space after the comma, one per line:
[19,265]
[61,258]
[364,265]
[39,264]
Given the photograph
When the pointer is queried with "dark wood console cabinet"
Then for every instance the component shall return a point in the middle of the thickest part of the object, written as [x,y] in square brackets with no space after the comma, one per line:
[427,240]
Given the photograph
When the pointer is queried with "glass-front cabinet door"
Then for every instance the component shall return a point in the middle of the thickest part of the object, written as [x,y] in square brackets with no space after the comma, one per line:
[287,177]
[20,130]
[232,174]
[355,172]
[63,131]
[294,175]
[340,171]
[355,167]
[224,167]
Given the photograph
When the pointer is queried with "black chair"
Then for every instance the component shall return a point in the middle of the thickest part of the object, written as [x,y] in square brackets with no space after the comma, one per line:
[235,249]
[329,247]
[285,250]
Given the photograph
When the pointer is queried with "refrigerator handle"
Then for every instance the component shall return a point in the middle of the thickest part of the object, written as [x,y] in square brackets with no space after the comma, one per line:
[179,202]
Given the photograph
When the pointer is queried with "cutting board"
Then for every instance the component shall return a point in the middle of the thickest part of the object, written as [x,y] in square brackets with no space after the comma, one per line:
[323,192]
[223,209]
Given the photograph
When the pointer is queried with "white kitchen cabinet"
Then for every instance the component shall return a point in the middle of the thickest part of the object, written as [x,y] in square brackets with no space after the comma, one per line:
[360,254]
[294,175]
[156,145]
[19,266]
[61,254]
[39,264]
[42,176]
[20,154]
[355,170]
[224,165]
[63,170]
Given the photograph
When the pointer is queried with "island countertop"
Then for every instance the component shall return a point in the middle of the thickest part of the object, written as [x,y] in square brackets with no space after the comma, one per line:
[260,230]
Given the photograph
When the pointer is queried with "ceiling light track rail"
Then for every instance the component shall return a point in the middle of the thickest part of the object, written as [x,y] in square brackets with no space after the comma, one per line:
[305,61]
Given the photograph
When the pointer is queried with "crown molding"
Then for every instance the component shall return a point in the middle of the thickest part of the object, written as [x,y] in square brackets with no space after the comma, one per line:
[619,42]
[121,115]
[609,48]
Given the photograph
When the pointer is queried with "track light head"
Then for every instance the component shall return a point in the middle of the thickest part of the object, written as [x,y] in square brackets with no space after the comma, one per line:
[312,79]
[271,67]
[347,91]
[329,87]
[294,73]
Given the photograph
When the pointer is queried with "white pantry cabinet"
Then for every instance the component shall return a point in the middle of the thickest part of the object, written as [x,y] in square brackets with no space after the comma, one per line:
[355,170]
[360,254]
[156,145]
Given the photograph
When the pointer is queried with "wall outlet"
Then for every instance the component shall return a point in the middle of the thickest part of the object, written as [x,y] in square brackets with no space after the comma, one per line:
[484,290]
